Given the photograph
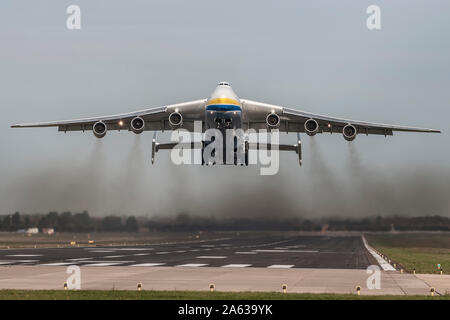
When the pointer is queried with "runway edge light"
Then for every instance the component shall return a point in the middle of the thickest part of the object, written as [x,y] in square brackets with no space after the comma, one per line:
[212,287]
[284,287]
[139,286]
[65,286]
[432,291]
[358,290]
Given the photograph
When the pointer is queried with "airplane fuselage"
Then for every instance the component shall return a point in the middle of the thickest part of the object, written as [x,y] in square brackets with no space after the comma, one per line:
[223,109]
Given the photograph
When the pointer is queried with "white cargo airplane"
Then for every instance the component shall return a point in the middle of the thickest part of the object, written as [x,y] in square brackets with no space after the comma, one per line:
[224,110]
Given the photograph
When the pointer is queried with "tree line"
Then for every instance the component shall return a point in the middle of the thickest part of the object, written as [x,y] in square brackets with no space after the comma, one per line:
[83,222]
[68,222]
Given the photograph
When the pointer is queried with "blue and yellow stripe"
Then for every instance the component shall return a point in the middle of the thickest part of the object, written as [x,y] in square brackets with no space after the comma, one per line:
[223,104]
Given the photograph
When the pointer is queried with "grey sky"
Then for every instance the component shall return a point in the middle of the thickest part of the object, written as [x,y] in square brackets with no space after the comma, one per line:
[315,55]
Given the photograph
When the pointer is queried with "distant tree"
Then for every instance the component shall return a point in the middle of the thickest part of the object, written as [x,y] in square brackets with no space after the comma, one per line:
[27,222]
[16,220]
[7,221]
[65,221]
[131,224]
[112,223]
[49,221]
[82,221]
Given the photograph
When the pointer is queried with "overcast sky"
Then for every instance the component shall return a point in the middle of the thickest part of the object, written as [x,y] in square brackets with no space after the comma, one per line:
[316,56]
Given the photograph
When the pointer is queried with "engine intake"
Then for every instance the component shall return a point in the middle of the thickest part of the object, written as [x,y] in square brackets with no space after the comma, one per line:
[311,127]
[273,120]
[349,132]
[137,125]
[99,128]
[175,120]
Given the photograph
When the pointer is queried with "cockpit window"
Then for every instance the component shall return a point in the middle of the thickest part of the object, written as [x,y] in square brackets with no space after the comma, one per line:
[224,84]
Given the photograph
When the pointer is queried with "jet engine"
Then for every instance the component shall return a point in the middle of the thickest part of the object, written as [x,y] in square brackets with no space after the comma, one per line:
[175,120]
[349,132]
[273,120]
[137,125]
[311,127]
[99,128]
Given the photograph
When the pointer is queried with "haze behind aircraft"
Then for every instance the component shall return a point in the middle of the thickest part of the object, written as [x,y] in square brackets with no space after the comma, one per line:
[223,111]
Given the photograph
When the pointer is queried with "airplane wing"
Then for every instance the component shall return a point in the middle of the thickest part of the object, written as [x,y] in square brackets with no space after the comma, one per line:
[154,118]
[291,120]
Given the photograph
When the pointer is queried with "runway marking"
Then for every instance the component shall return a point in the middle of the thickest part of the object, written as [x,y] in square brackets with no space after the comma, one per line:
[211,257]
[57,264]
[103,264]
[180,251]
[101,251]
[119,256]
[280,266]
[236,265]
[21,261]
[141,254]
[80,259]
[383,263]
[7,262]
[246,252]
[293,251]
[192,265]
[162,252]
[194,250]
[107,261]
[24,255]
[133,249]
[147,264]
[207,246]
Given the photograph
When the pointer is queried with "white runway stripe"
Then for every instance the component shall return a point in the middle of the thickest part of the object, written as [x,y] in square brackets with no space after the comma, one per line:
[280,266]
[147,264]
[246,252]
[103,264]
[80,259]
[162,252]
[211,257]
[101,251]
[24,255]
[120,256]
[236,265]
[106,261]
[141,254]
[7,262]
[193,265]
[57,264]
[293,251]
[133,249]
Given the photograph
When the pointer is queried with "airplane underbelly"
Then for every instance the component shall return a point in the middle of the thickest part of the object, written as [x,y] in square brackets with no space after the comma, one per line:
[223,119]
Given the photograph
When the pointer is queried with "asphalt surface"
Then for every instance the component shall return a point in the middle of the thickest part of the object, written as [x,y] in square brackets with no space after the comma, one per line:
[335,252]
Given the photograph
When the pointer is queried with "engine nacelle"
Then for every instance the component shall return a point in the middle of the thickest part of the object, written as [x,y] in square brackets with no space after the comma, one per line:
[137,125]
[272,120]
[311,127]
[175,120]
[99,129]
[349,132]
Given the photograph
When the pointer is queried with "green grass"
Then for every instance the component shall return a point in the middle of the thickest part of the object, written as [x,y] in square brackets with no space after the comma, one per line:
[422,251]
[187,295]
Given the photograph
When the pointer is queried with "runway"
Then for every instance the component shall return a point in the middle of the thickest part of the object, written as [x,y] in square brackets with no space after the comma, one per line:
[243,251]
[242,262]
